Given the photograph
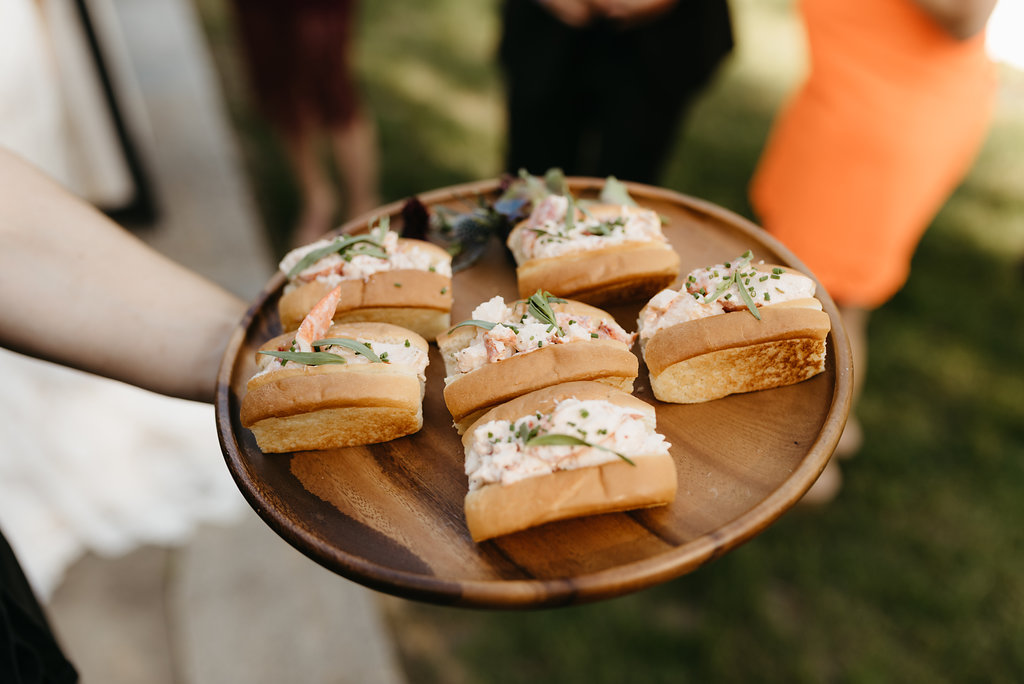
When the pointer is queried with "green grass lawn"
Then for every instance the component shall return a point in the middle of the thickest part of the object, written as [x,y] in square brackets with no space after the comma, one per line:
[916,572]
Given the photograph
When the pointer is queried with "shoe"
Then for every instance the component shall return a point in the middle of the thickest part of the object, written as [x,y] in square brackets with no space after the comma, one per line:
[850,441]
[825,488]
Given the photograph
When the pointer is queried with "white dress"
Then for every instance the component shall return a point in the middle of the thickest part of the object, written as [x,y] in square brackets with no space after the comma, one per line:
[87,464]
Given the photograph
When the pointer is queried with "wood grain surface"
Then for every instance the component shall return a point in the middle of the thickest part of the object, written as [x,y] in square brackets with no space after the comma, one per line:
[389,516]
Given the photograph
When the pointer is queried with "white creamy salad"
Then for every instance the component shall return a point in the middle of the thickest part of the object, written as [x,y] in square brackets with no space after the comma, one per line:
[556,227]
[360,260]
[520,334]
[397,353]
[716,289]
[498,451]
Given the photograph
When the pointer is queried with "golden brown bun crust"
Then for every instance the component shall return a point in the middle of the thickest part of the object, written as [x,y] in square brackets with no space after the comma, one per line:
[544,401]
[628,272]
[495,383]
[286,394]
[499,509]
[734,352]
[616,486]
[335,428]
[469,395]
[620,273]
[419,300]
[322,407]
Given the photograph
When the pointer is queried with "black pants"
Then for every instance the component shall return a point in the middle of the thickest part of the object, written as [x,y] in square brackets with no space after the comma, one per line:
[28,648]
[601,100]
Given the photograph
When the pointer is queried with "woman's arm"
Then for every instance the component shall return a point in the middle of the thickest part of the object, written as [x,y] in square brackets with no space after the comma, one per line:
[77,289]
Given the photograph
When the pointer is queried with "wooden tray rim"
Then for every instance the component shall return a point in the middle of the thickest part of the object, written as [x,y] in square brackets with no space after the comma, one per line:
[547,592]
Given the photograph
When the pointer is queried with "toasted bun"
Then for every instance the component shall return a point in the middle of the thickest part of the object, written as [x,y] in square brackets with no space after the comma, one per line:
[734,352]
[620,273]
[469,395]
[617,486]
[627,272]
[418,300]
[499,509]
[324,407]
[605,361]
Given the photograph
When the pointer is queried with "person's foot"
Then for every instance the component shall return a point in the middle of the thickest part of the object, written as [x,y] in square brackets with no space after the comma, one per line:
[851,439]
[825,488]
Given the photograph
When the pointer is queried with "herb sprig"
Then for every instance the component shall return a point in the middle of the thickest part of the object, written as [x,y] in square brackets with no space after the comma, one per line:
[358,347]
[323,358]
[307,358]
[615,192]
[371,244]
[486,325]
[539,306]
[737,279]
[558,439]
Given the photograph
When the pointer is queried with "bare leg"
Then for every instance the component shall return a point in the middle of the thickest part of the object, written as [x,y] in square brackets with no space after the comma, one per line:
[830,481]
[856,323]
[317,193]
[355,150]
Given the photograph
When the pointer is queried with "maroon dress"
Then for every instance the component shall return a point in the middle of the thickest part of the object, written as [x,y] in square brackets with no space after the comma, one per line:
[297,55]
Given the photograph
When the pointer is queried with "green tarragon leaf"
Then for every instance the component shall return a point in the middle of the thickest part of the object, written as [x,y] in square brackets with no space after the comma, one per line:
[486,325]
[606,227]
[355,345]
[615,192]
[555,182]
[307,358]
[341,244]
[747,299]
[526,433]
[737,279]
[557,439]
[539,306]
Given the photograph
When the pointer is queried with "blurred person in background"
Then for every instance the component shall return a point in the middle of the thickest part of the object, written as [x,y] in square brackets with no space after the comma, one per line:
[600,87]
[889,120]
[298,55]
[149,322]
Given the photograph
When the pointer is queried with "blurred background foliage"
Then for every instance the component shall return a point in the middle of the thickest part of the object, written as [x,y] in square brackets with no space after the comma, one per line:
[916,571]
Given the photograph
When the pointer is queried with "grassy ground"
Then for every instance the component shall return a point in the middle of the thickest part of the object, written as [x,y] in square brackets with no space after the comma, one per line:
[915,572]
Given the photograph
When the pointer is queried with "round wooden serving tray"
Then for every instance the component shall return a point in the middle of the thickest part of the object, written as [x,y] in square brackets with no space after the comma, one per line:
[389,516]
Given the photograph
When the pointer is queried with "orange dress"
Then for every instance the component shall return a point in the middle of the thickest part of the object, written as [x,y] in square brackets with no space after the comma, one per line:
[888,122]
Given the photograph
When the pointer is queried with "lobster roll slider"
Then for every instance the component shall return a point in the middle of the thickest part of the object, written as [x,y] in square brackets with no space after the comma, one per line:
[327,386]
[601,254]
[733,327]
[383,278]
[508,350]
[570,450]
